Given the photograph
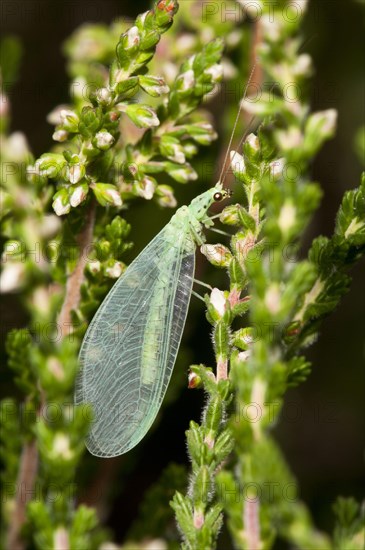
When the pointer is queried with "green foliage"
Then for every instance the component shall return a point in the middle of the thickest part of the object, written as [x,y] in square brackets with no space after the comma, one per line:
[349,531]
[130,132]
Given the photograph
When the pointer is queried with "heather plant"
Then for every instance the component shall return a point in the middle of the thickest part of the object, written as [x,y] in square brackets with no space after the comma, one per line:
[130,132]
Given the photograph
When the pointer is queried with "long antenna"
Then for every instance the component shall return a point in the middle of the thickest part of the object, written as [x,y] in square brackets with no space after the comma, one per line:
[236,122]
[238,147]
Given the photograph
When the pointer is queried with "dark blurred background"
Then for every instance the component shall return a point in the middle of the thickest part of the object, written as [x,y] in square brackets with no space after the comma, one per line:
[323,423]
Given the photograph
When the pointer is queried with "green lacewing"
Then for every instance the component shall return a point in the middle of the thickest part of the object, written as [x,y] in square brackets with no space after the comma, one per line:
[131,344]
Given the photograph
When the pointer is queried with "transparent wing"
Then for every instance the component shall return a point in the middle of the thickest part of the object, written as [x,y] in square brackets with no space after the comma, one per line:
[130,347]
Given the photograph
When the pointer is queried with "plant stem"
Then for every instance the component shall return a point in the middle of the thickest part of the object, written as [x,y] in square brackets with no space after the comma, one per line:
[74,282]
[24,492]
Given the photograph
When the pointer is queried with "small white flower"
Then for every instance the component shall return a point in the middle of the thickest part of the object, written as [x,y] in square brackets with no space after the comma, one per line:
[218,301]
[217,254]
[60,135]
[276,167]
[114,196]
[50,226]
[75,173]
[166,196]
[188,79]
[185,43]
[216,72]
[273,298]
[170,70]
[40,299]
[114,271]
[178,155]
[133,37]
[60,208]
[244,355]
[77,196]
[253,142]
[12,277]
[54,117]
[326,120]
[17,147]
[271,27]
[150,120]
[302,65]
[61,447]
[55,367]
[155,544]
[94,266]
[289,139]
[68,117]
[287,217]
[237,162]
[104,140]
[147,188]
[61,539]
[104,95]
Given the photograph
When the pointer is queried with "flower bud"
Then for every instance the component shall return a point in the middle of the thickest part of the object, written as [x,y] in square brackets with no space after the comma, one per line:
[50,164]
[243,338]
[69,120]
[273,298]
[60,135]
[12,277]
[78,194]
[303,65]
[54,117]
[322,123]
[153,85]
[166,197]
[215,71]
[185,81]
[75,173]
[106,194]
[251,147]
[194,380]
[276,168]
[104,96]
[181,173]
[131,39]
[94,266]
[203,133]
[61,538]
[289,139]
[287,216]
[15,147]
[114,271]
[143,116]
[146,187]
[171,148]
[217,254]
[218,303]
[61,204]
[229,215]
[61,447]
[103,140]
[238,165]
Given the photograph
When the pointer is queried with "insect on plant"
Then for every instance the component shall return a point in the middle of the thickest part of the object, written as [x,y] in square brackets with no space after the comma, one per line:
[130,347]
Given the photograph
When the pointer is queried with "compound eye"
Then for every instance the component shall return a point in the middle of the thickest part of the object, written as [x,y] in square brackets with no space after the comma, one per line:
[218,196]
